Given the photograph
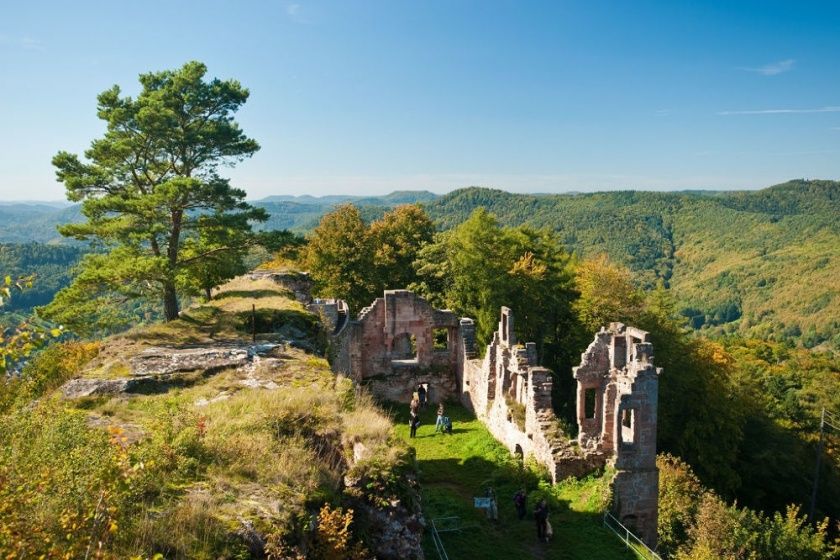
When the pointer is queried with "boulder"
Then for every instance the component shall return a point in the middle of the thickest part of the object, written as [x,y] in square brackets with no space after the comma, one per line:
[162,361]
[78,388]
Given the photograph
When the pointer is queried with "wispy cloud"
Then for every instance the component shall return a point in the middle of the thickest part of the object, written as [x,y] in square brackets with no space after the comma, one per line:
[21,42]
[772,69]
[293,9]
[663,112]
[832,109]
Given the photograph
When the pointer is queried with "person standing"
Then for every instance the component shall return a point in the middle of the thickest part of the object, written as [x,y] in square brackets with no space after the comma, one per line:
[421,394]
[541,518]
[413,422]
[519,501]
[439,423]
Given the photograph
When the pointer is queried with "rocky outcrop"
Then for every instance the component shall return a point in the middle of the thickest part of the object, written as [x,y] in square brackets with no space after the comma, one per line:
[79,388]
[395,533]
[163,361]
[157,369]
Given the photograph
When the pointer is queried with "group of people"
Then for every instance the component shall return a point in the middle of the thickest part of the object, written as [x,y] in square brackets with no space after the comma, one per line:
[419,399]
[544,529]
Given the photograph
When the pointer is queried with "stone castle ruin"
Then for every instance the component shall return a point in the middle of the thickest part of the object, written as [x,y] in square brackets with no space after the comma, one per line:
[401,342]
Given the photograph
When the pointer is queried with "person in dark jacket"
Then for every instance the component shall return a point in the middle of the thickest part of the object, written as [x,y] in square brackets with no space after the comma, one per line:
[541,519]
[413,422]
[519,503]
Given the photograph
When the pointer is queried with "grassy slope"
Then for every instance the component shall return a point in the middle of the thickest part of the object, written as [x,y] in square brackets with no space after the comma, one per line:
[455,468]
[255,463]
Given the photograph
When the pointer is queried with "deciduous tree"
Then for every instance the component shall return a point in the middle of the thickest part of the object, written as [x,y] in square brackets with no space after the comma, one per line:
[339,257]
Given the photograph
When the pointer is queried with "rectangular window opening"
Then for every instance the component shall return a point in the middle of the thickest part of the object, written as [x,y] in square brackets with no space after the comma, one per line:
[589,396]
[627,425]
[440,337]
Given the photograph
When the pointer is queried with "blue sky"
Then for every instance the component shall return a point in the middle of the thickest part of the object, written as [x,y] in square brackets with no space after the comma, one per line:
[371,96]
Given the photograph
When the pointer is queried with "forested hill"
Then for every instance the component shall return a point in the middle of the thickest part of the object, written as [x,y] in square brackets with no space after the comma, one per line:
[764,262]
[27,222]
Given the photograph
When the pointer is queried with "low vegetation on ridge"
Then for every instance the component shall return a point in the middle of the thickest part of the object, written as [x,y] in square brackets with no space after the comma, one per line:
[219,466]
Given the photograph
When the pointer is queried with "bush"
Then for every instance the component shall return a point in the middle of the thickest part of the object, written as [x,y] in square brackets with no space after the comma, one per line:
[46,372]
[695,524]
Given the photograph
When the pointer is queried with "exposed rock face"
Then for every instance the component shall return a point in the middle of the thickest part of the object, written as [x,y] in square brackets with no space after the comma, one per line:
[396,534]
[162,361]
[78,388]
[158,368]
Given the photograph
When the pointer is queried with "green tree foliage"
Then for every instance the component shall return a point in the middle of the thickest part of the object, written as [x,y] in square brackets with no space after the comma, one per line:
[735,260]
[19,339]
[480,266]
[786,389]
[397,238]
[350,260]
[49,265]
[696,524]
[150,184]
[607,294]
[339,257]
[701,413]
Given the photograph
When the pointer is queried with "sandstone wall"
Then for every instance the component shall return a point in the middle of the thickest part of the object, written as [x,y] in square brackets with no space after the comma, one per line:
[617,403]
[390,348]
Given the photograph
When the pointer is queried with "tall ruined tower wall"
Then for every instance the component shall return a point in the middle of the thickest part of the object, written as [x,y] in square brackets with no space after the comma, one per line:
[617,403]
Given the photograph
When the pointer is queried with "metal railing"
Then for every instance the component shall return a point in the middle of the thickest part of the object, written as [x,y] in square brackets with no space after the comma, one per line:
[443,525]
[630,540]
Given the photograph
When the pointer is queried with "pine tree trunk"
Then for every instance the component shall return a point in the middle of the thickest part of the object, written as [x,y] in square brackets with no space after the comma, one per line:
[170,301]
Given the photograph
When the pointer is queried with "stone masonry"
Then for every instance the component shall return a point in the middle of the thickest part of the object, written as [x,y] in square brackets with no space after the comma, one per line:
[401,341]
[508,385]
[391,348]
[617,399]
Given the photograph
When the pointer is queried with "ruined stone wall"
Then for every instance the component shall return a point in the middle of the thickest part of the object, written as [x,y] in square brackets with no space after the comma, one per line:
[617,402]
[511,394]
[390,348]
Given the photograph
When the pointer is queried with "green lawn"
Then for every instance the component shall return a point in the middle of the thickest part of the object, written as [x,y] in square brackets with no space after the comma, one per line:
[454,468]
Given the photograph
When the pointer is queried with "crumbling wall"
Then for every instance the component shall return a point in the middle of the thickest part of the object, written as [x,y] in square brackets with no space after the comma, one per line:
[511,394]
[617,402]
[390,348]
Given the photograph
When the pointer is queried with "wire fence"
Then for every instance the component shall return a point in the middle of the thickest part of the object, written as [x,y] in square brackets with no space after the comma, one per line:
[443,525]
[630,540]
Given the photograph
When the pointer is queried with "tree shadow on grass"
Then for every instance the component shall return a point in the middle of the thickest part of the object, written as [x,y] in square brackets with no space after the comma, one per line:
[448,487]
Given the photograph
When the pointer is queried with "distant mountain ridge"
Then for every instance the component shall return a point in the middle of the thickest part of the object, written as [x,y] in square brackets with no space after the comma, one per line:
[24,222]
